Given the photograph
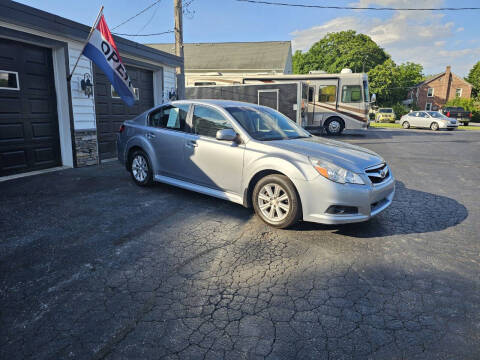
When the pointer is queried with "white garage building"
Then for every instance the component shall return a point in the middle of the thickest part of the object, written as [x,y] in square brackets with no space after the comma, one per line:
[46,121]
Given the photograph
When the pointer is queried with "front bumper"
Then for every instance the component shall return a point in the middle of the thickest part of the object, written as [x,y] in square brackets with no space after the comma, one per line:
[319,194]
[448,126]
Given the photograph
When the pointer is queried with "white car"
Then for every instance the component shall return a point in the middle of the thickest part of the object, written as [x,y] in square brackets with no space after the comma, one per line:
[428,119]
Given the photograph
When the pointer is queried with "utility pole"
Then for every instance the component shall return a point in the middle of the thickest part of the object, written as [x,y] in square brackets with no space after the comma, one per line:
[177,8]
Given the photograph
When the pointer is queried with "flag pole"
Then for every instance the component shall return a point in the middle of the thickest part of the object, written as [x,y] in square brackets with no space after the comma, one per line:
[86,42]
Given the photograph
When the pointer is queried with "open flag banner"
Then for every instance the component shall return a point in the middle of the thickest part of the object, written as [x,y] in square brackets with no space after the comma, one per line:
[101,49]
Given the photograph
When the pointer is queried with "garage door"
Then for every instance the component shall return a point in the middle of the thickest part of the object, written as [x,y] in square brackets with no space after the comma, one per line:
[29,138]
[111,111]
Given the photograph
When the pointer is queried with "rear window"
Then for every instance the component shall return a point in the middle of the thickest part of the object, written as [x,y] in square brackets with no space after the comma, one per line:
[387,111]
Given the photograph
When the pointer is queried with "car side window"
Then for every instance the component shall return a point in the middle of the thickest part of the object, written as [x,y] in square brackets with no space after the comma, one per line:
[422,114]
[413,114]
[207,121]
[170,117]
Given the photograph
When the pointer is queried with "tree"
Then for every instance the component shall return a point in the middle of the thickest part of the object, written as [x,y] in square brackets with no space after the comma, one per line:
[335,51]
[474,79]
[391,82]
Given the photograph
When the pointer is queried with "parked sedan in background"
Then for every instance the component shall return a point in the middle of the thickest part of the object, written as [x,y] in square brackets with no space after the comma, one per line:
[255,156]
[385,115]
[428,119]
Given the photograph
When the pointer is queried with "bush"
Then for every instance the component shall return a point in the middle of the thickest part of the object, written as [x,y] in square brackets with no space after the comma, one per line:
[476,116]
[400,110]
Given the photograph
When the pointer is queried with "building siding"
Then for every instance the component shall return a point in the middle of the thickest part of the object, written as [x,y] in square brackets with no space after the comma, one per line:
[169,82]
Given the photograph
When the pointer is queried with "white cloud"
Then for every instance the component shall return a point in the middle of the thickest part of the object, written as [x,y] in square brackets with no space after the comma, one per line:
[406,35]
[460,29]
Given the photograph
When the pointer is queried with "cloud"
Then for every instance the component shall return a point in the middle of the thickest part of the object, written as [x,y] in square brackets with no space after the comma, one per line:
[460,29]
[406,35]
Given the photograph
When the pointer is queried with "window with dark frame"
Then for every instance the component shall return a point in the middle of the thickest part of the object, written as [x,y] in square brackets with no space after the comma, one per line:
[351,94]
[9,80]
[207,121]
[327,93]
[170,117]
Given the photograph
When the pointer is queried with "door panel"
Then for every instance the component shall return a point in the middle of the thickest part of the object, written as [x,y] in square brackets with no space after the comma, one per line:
[29,136]
[111,111]
[214,163]
[169,151]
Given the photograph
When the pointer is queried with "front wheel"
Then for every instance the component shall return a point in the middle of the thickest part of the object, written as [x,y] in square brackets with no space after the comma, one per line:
[334,126]
[140,168]
[434,126]
[276,201]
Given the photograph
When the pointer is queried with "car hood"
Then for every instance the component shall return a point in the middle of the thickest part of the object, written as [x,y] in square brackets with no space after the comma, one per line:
[350,157]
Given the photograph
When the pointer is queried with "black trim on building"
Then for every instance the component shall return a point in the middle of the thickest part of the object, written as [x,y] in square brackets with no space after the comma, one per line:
[27,16]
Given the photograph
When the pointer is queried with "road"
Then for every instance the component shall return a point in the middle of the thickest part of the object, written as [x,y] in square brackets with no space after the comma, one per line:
[94,267]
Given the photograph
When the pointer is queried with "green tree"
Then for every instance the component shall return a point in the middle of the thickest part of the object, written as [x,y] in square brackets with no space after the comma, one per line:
[474,79]
[335,51]
[391,82]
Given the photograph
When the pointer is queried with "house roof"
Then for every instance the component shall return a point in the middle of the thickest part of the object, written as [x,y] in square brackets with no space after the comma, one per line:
[268,55]
[436,76]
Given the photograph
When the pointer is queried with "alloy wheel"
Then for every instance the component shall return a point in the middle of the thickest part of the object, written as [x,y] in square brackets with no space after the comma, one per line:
[273,202]
[139,168]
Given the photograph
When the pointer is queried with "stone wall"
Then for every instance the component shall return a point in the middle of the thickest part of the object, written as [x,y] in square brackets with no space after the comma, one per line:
[86,147]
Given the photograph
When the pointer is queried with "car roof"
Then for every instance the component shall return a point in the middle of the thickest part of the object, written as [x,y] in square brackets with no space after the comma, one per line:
[221,103]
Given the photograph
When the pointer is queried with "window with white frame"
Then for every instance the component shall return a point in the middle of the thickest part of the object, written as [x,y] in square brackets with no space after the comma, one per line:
[9,80]
[430,92]
[428,107]
[458,92]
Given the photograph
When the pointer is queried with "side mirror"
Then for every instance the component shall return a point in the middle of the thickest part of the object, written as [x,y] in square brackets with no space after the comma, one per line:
[374,98]
[226,135]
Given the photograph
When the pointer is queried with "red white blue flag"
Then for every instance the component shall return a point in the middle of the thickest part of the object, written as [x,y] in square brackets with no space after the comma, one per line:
[101,49]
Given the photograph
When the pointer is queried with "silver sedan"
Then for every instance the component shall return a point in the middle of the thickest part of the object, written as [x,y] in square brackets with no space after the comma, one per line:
[428,119]
[257,157]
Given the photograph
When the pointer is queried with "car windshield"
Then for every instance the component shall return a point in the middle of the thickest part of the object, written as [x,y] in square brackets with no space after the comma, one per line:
[266,124]
[435,114]
[386,110]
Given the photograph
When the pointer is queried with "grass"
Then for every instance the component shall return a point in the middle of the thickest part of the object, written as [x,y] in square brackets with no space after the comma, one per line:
[398,126]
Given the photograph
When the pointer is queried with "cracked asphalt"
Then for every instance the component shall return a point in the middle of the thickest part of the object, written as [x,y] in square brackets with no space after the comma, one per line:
[94,267]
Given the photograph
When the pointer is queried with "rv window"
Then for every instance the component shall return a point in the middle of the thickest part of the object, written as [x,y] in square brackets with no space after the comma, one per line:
[204,83]
[351,93]
[366,95]
[327,93]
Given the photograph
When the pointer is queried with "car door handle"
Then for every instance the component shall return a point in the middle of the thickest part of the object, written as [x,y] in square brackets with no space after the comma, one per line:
[191,144]
[150,135]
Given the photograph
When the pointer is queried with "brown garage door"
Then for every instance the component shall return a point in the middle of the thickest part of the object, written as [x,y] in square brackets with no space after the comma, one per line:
[29,138]
[112,111]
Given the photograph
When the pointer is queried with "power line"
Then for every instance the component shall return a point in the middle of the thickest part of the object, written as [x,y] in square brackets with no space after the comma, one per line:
[160,33]
[139,13]
[357,8]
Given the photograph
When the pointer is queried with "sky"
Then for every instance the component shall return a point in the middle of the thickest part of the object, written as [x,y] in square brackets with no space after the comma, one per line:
[433,39]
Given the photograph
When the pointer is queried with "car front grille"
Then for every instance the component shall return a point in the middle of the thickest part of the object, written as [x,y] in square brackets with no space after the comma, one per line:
[378,173]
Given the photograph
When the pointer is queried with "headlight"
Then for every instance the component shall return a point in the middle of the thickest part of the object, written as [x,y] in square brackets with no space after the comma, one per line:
[336,173]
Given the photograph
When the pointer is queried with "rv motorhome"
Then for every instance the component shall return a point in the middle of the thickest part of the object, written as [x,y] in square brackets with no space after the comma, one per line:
[335,101]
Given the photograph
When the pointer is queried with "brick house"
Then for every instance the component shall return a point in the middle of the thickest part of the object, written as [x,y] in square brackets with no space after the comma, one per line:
[436,90]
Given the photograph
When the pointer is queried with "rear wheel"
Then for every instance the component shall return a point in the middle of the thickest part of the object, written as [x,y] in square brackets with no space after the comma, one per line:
[334,126]
[406,125]
[466,123]
[434,126]
[276,201]
[140,168]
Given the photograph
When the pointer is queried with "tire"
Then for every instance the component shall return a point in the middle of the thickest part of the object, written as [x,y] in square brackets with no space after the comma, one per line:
[264,201]
[334,126]
[434,126]
[140,168]
[406,125]
[466,123]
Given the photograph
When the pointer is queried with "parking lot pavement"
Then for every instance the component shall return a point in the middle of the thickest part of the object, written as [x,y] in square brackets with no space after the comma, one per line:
[93,267]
